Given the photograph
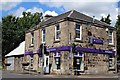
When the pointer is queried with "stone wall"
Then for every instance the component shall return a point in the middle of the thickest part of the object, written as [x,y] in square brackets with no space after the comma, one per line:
[18,64]
[96,63]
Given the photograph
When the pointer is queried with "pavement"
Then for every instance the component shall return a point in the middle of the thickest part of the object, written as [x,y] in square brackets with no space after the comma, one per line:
[9,74]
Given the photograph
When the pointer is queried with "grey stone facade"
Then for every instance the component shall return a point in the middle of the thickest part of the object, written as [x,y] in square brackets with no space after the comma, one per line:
[91,63]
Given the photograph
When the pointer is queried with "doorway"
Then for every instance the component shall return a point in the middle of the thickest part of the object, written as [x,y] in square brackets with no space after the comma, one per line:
[46,64]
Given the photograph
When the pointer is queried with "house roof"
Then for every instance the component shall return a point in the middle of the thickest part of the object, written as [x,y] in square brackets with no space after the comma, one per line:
[20,50]
[73,14]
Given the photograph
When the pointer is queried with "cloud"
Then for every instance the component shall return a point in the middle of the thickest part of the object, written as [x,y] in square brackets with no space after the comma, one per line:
[53,13]
[8,4]
[92,7]
[19,12]
[33,10]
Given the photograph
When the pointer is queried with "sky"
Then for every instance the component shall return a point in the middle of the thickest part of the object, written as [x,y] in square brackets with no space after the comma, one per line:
[55,7]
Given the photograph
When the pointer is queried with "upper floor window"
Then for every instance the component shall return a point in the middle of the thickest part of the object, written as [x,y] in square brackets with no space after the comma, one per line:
[57,32]
[110,33]
[32,39]
[78,31]
[43,35]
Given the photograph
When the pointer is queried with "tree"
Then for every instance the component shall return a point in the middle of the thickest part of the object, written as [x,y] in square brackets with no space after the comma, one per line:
[13,29]
[106,19]
[117,25]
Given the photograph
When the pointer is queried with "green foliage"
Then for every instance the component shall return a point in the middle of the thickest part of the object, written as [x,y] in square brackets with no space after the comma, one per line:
[118,36]
[13,29]
[106,20]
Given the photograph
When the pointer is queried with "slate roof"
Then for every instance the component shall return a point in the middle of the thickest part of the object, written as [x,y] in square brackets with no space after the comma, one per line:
[73,14]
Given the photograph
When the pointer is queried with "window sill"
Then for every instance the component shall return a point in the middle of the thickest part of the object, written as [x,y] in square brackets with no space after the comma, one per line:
[78,40]
[56,41]
[111,44]
[31,45]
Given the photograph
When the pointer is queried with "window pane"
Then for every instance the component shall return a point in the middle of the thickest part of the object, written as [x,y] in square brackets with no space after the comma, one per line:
[57,27]
[77,34]
[77,31]
[77,26]
[44,31]
[110,36]
[57,34]
[32,38]
[43,38]
[110,33]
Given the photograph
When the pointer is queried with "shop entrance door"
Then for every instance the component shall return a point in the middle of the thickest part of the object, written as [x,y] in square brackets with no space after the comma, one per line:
[46,64]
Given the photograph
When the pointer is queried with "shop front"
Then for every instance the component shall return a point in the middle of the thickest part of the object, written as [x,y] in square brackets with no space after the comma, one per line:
[56,63]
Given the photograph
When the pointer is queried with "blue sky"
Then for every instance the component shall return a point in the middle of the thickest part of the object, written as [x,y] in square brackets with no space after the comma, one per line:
[97,9]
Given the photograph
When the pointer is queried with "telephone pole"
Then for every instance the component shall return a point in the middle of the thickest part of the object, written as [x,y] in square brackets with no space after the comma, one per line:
[71,54]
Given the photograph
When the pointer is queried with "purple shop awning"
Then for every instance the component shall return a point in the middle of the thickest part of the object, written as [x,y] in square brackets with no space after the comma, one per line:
[64,48]
[78,49]
[28,52]
[94,50]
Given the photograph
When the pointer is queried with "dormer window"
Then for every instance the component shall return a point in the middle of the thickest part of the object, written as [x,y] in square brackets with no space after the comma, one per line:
[78,31]
[110,34]
[57,32]
[43,35]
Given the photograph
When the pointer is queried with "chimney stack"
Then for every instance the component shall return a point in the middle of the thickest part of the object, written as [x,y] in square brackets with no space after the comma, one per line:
[47,16]
[93,19]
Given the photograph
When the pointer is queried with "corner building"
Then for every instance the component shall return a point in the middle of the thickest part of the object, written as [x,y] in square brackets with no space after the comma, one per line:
[95,50]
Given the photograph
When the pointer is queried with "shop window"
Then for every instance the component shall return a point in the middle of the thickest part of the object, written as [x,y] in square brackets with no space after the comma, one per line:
[111,62]
[57,61]
[77,62]
[31,61]
[57,32]
[78,31]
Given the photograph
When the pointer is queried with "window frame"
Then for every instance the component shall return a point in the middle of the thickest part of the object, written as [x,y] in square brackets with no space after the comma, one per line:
[43,34]
[32,39]
[57,31]
[110,43]
[31,61]
[80,30]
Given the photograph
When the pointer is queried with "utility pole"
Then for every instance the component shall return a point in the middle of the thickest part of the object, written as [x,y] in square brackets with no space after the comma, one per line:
[71,55]
[42,58]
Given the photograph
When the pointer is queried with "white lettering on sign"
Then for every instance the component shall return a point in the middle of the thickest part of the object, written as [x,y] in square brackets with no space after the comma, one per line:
[108,51]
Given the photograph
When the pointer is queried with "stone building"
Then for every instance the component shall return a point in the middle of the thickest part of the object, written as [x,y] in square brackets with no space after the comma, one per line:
[93,48]
[14,59]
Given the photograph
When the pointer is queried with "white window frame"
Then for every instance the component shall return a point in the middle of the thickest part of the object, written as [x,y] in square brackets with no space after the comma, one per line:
[79,30]
[56,32]
[43,34]
[32,39]
[111,36]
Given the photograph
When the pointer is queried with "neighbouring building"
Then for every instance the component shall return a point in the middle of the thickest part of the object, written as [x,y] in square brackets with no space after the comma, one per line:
[14,59]
[93,43]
